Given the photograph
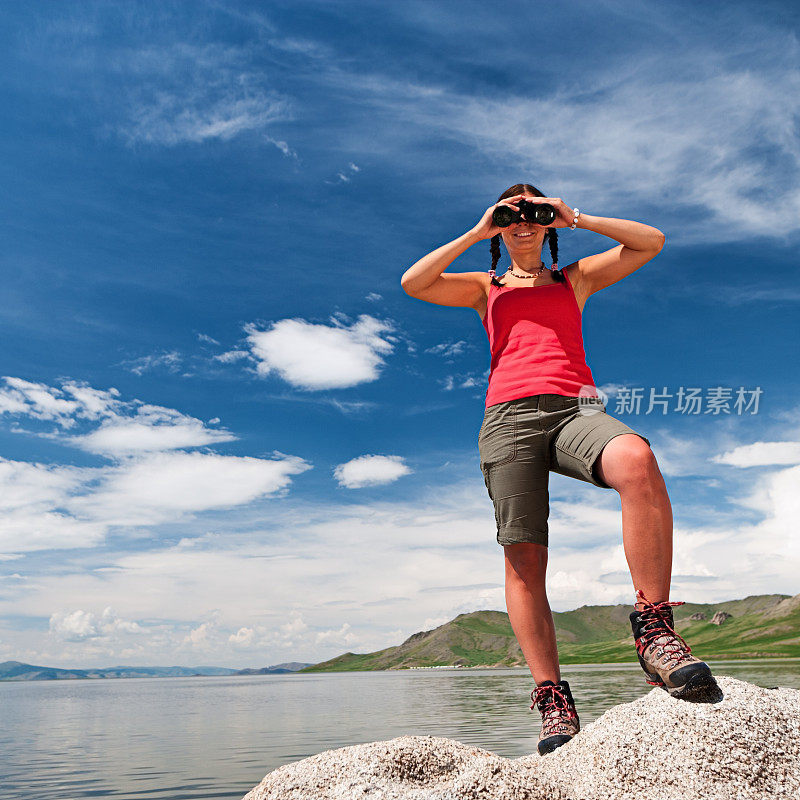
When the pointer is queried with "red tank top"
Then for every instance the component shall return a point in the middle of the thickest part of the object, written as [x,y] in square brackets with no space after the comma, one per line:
[536,343]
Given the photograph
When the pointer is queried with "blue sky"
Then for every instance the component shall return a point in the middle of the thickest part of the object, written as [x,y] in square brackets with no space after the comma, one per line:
[229,437]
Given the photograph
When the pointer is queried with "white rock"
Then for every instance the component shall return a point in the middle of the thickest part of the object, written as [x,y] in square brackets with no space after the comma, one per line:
[745,747]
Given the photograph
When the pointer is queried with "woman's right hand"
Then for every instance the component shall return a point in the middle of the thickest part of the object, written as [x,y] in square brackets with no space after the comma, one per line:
[486,228]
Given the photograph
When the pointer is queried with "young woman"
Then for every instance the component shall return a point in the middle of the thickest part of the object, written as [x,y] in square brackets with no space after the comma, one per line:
[544,414]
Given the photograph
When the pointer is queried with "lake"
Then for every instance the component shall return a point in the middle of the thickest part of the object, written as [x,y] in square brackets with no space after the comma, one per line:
[216,737]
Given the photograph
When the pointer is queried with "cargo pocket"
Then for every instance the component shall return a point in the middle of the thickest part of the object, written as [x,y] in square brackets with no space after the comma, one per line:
[497,440]
[487,479]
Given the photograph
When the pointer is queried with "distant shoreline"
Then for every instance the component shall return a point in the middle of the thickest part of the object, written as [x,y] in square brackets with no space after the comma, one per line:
[603,664]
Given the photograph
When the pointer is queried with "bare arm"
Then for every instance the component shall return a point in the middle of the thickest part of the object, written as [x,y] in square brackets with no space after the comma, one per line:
[425,281]
[639,243]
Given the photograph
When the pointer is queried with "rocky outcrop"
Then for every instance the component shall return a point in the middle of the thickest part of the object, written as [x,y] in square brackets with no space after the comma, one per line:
[746,746]
[698,616]
[720,617]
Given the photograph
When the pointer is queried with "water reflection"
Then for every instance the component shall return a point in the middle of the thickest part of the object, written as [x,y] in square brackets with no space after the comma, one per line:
[216,737]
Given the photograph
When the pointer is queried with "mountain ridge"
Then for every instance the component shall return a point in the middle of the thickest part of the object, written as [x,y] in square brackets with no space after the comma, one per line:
[758,626]
[20,671]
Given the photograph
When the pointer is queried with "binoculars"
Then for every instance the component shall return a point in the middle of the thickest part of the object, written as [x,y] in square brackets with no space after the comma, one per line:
[539,213]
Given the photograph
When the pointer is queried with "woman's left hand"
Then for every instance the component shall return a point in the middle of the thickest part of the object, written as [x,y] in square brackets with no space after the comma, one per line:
[564,213]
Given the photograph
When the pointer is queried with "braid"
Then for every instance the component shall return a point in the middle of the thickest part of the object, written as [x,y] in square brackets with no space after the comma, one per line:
[494,246]
[552,238]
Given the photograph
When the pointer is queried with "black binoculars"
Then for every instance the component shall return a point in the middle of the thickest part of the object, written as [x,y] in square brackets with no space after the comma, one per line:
[540,213]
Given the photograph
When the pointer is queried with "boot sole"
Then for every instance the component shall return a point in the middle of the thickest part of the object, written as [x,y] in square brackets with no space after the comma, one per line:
[551,743]
[697,688]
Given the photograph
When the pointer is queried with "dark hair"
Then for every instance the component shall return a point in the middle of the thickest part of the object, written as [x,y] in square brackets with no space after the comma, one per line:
[550,236]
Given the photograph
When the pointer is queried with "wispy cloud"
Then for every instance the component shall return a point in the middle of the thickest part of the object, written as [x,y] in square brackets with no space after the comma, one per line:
[282,146]
[735,296]
[346,175]
[761,454]
[650,139]
[448,350]
[463,381]
[172,119]
[231,356]
[186,93]
[206,339]
[168,360]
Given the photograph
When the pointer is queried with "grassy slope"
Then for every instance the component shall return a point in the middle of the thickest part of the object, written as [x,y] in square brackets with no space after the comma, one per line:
[761,625]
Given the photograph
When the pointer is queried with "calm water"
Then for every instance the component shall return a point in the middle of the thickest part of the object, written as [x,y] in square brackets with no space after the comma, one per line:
[175,738]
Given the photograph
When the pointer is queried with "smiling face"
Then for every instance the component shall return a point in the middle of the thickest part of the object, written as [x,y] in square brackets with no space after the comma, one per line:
[523,237]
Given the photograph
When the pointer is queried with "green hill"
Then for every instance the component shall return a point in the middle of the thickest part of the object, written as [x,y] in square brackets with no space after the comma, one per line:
[758,626]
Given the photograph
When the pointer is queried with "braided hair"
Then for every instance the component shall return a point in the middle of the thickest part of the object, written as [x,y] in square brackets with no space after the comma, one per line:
[551,237]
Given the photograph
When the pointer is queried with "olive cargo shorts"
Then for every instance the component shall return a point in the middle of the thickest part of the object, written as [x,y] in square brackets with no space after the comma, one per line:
[522,441]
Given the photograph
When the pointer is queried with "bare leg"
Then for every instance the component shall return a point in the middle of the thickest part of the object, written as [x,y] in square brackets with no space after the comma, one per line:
[529,611]
[628,465]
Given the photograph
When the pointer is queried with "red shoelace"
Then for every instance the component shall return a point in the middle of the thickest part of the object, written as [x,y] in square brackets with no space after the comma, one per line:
[554,700]
[655,622]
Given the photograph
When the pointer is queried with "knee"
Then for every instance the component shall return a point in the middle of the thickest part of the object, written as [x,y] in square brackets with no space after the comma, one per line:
[526,563]
[638,465]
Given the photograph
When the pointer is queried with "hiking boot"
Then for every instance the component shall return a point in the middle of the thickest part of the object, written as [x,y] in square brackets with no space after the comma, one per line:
[665,657]
[559,719]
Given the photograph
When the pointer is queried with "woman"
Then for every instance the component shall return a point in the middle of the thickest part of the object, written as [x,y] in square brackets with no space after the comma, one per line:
[543,414]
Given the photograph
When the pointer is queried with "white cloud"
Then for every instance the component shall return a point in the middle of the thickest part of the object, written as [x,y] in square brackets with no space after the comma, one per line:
[369,470]
[342,637]
[56,507]
[73,626]
[201,637]
[313,357]
[391,568]
[761,454]
[123,427]
[78,625]
[72,401]
[32,499]
[153,480]
[152,429]
[243,637]
[165,486]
